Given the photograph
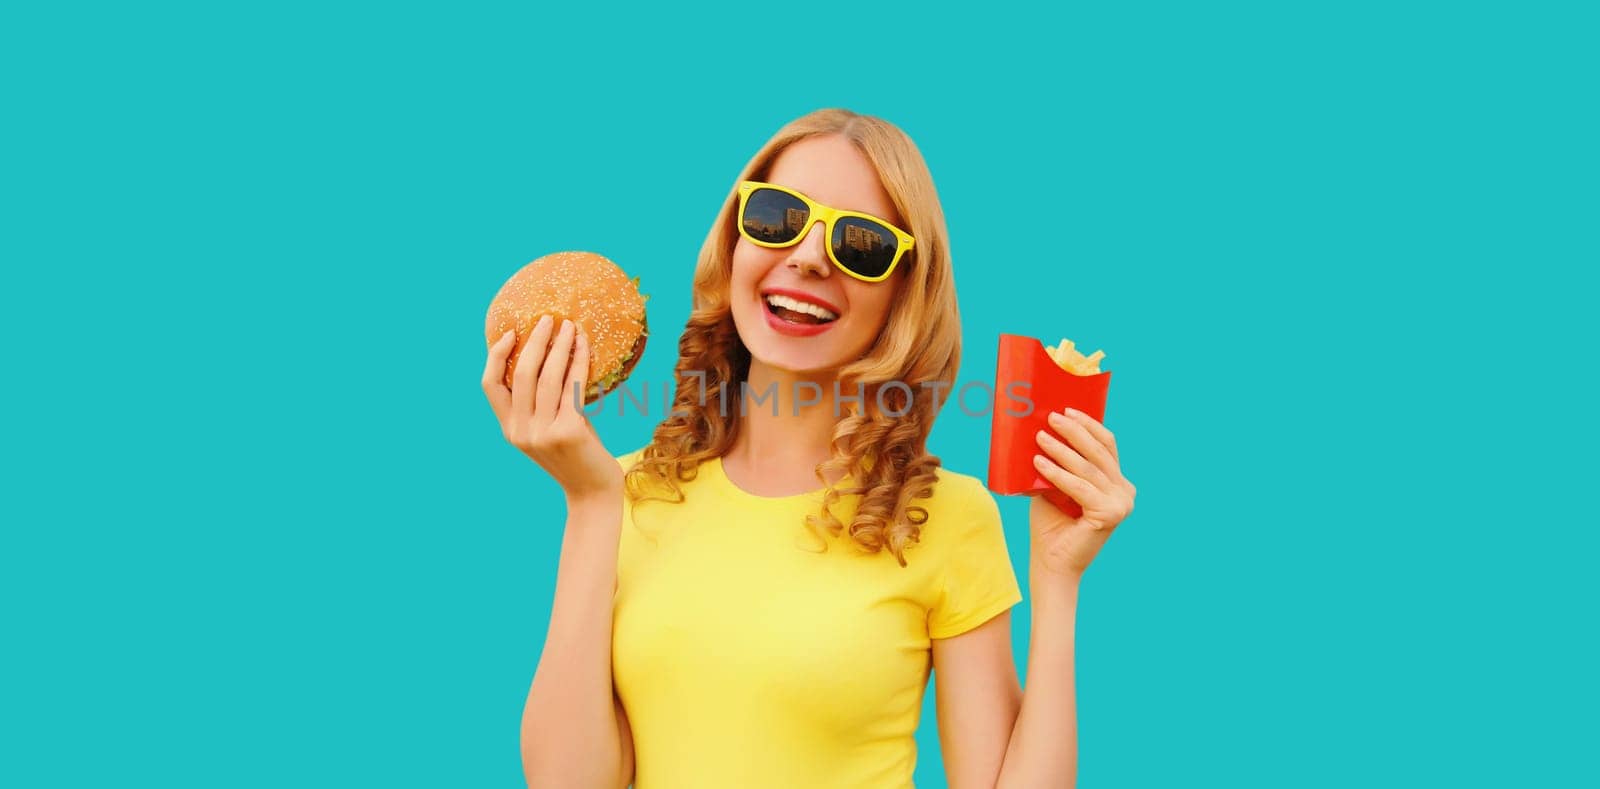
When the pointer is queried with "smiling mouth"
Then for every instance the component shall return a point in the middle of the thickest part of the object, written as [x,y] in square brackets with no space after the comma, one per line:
[796,311]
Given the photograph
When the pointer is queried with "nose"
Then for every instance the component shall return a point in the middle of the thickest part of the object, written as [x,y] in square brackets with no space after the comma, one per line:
[811,254]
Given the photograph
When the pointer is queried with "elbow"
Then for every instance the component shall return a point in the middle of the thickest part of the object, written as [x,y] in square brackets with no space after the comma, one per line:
[543,772]
[548,763]
[1068,780]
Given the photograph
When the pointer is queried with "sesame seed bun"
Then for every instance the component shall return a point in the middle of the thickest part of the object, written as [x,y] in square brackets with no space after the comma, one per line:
[587,289]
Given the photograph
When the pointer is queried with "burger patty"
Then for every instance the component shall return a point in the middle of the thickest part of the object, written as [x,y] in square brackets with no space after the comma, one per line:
[626,369]
[633,357]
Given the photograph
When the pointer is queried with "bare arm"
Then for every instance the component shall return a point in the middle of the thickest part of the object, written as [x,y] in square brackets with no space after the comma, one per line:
[1043,750]
[1080,459]
[992,733]
[978,698]
[1032,742]
[574,731]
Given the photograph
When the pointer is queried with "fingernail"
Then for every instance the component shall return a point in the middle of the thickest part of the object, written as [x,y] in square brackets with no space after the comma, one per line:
[544,320]
[1072,412]
[1038,460]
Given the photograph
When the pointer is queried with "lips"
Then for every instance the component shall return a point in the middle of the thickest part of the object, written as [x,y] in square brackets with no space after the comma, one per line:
[797,314]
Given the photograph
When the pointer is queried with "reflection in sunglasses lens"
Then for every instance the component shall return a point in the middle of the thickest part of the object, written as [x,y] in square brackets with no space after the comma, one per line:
[773,217]
[863,246]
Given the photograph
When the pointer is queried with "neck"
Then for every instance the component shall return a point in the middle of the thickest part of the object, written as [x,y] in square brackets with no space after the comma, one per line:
[799,434]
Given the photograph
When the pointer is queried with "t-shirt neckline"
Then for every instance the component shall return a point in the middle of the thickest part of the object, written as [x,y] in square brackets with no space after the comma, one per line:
[722,479]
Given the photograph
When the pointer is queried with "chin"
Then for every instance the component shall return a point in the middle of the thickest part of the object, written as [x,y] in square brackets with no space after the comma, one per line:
[799,363]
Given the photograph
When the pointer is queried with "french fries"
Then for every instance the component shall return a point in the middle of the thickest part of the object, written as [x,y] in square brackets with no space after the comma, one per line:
[1071,360]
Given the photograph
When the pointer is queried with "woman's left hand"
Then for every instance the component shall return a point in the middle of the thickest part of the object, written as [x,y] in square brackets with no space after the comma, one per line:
[1086,468]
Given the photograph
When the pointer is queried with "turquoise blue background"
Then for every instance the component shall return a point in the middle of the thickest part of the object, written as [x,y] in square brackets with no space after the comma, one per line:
[261,528]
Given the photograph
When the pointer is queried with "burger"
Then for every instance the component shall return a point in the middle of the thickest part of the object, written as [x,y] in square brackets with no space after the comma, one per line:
[587,289]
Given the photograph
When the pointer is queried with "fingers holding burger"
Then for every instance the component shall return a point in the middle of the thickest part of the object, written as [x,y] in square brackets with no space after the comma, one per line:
[592,292]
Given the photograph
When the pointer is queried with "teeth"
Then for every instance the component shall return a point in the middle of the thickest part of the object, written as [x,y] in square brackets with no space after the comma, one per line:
[799,306]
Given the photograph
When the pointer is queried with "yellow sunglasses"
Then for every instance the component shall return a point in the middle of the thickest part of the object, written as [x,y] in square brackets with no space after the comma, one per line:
[861,245]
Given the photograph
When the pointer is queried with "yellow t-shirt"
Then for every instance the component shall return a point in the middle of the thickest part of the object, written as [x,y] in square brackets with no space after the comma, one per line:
[747,658]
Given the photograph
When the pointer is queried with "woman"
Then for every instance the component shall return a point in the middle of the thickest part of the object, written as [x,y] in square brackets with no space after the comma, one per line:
[756,598]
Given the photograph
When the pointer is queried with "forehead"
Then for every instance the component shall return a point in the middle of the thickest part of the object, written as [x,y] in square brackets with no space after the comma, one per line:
[831,170]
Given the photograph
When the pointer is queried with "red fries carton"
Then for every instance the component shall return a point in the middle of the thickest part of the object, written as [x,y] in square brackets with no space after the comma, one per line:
[1025,374]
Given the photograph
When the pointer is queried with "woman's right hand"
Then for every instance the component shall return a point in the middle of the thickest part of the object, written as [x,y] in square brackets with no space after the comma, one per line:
[538,414]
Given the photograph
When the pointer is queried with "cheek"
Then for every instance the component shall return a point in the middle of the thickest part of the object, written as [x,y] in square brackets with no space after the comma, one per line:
[746,268]
[870,303]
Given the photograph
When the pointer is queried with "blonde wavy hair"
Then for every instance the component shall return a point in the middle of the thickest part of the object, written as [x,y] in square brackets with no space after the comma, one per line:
[885,457]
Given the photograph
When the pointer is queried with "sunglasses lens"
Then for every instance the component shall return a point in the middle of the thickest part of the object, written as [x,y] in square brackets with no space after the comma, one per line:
[773,217]
[864,246]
